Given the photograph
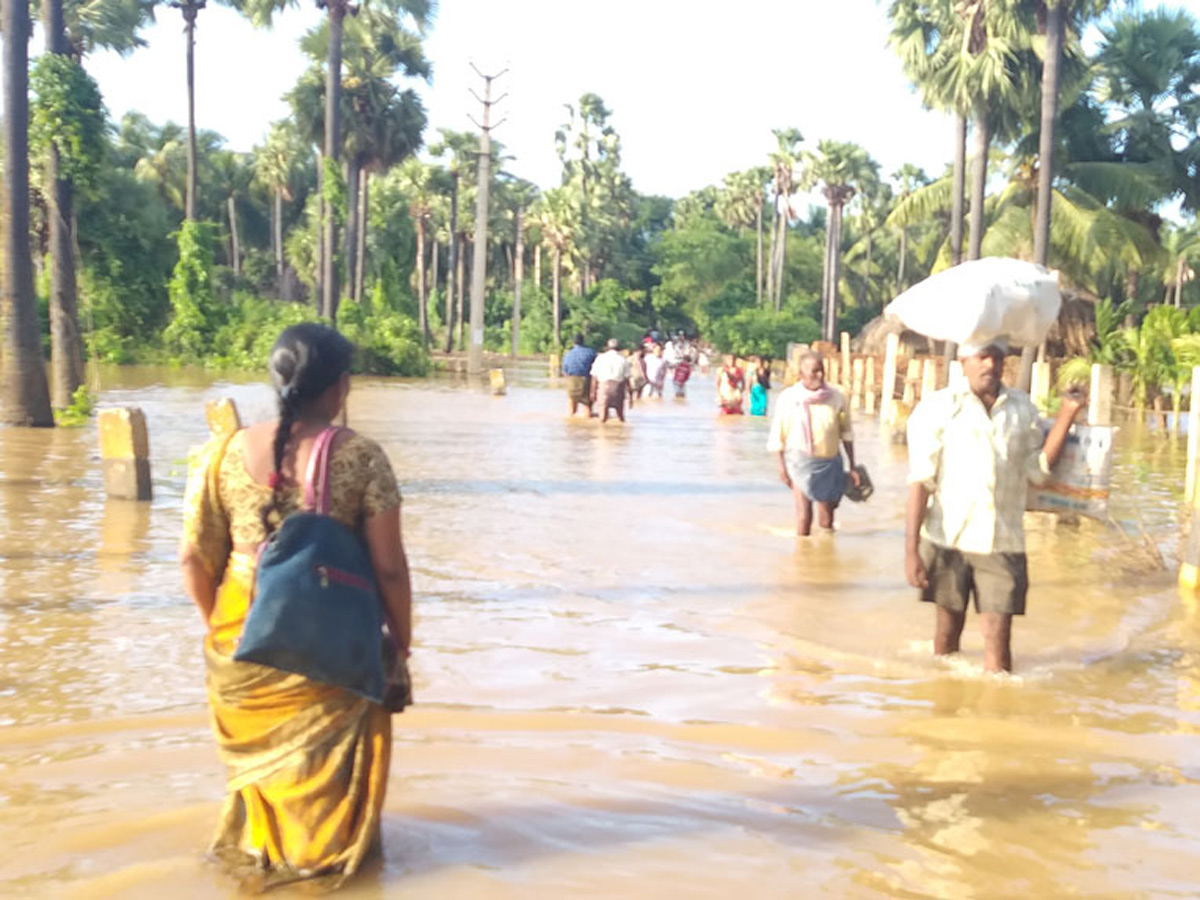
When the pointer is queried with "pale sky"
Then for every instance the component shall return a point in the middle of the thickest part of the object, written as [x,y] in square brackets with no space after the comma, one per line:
[695,89]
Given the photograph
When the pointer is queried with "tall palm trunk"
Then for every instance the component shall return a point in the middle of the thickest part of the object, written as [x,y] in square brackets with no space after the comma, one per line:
[556,296]
[1049,123]
[360,266]
[537,266]
[771,258]
[235,254]
[422,315]
[835,265]
[959,184]
[827,271]
[459,287]
[24,393]
[783,233]
[1179,283]
[518,276]
[758,255]
[66,345]
[452,266]
[277,237]
[862,303]
[903,260]
[190,8]
[320,273]
[434,254]
[979,180]
[333,95]
[353,172]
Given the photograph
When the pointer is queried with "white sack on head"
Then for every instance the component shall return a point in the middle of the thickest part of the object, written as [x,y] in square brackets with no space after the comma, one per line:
[982,300]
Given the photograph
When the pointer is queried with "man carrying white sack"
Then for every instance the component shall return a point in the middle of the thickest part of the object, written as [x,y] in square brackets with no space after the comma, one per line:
[973,450]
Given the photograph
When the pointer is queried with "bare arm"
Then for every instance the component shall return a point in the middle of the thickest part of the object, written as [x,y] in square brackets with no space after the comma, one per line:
[198,582]
[1057,438]
[783,472]
[390,562]
[918,502]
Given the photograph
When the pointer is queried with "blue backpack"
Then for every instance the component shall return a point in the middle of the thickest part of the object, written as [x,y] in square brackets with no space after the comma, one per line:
[316,609]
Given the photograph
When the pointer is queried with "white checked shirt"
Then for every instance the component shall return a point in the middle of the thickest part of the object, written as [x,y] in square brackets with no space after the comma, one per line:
[977,467]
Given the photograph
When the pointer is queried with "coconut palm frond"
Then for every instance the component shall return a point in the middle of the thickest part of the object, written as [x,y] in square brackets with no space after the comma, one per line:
[924,203]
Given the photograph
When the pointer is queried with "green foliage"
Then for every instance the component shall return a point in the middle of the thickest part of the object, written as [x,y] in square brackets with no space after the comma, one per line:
[83,404]
[196,316]
[66,112]
[245,337]
[333,189]
[758,331]
[386,342]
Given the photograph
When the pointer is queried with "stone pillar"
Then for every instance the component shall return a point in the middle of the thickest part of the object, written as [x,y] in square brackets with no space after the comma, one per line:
[856,384]
[499,386]
[222,416]
[125,453]
[555,365]
[846,356]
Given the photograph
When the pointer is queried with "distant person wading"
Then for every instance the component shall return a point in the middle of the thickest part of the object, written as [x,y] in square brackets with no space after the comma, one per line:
[811,420]
[577,367]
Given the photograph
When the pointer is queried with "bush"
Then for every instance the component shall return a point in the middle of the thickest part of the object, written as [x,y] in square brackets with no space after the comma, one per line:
[763,332]
[387,342]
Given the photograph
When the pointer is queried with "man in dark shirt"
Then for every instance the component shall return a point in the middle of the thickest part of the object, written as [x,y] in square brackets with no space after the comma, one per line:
[577,367]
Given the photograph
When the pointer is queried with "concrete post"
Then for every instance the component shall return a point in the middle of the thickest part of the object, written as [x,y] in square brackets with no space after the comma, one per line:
[929,378]
[846,357]
[125,452]
[1100,397]
[912,378]
[499,387]
[555,365]
[856,384]
[869,394]
[222,416]
[887,391]
[832,374]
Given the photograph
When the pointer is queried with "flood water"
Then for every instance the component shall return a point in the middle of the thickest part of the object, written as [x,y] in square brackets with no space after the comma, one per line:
[632,680]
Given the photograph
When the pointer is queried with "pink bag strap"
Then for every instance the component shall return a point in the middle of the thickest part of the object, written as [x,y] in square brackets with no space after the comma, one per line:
[316,480]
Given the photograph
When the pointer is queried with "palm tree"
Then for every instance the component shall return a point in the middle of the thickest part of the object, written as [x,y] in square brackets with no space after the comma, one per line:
[232,176]
[557,219]
[416,12]
[275,165]
[910,177]
[522,195]
[417,180]
[740,205]
[25,395]
[842,170]
[783,170]
[926,34]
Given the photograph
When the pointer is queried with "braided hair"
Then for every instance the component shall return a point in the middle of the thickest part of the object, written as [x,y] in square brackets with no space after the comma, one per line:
[306,361]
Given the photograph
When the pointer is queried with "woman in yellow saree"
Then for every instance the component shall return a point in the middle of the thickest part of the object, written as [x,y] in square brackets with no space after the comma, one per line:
[307,762]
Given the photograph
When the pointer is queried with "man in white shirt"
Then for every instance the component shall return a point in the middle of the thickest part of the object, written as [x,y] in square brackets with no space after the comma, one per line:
[610,374]
[808,433]
[973,450]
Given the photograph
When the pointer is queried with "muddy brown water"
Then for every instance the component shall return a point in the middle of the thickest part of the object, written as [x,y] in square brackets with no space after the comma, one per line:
[632,680]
